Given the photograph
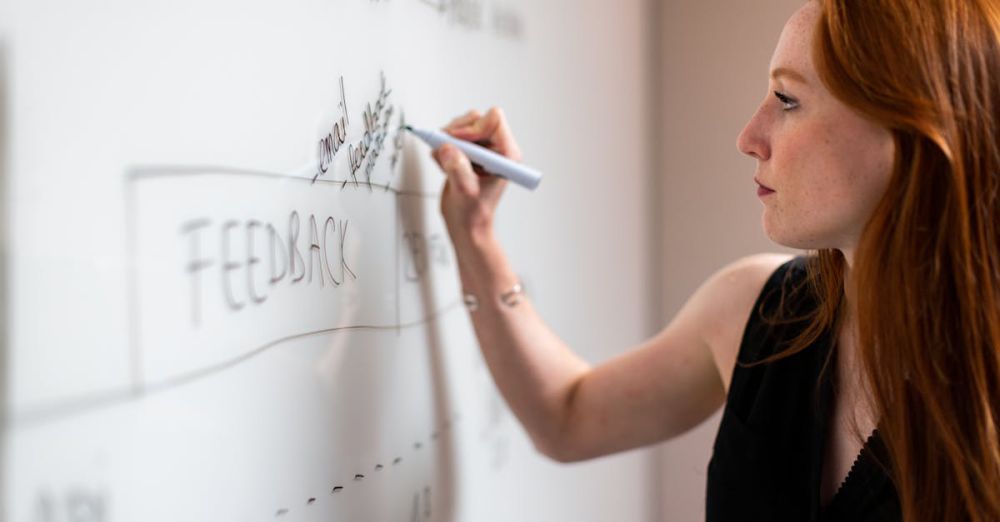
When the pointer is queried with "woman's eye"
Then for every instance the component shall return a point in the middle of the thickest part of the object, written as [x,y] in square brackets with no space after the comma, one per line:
[786,102]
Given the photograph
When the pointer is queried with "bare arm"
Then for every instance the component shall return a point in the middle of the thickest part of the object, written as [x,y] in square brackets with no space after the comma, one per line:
[661,388]
[675,380]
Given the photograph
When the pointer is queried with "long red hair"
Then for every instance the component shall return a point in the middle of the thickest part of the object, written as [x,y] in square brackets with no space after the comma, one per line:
[926,274]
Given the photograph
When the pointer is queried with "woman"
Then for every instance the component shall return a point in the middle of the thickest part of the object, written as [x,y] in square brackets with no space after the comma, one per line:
[866,383]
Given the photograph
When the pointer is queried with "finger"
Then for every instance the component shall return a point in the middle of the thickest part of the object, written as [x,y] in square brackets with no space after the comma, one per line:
[465,119]
[490,187]
[493,130]
[437,159]
[456,165]
[482,127]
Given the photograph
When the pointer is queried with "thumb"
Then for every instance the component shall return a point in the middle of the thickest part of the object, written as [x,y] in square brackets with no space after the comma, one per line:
[458,168]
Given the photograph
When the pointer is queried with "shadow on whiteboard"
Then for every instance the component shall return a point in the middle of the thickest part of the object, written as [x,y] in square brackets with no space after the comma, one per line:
[421,362]
[445,465]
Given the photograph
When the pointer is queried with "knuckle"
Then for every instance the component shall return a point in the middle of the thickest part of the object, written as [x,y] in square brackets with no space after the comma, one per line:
[496,114]
[446,153]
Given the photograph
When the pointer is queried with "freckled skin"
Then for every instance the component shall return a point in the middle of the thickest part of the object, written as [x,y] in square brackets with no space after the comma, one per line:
[828,165]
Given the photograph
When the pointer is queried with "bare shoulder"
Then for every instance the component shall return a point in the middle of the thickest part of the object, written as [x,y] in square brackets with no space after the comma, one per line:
[726,300]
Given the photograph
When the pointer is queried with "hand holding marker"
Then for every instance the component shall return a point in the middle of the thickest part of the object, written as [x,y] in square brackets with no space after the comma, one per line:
[490,161]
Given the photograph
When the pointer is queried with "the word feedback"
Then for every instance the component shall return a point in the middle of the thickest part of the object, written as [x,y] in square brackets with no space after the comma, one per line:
[269,258]
[363,153]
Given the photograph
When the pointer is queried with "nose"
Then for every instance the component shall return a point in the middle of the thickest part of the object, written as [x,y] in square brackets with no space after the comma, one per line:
[752,140]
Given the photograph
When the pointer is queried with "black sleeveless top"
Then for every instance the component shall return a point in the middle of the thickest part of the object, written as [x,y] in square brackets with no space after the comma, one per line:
[768,454]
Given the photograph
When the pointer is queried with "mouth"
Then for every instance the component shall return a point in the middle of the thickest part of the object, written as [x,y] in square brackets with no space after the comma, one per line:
[762,190]
[763,186]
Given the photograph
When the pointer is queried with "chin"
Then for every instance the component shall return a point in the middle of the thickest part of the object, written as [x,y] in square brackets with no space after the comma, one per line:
[800,236]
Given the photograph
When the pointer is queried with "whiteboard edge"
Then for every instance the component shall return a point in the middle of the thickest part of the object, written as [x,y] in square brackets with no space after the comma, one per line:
[4,266]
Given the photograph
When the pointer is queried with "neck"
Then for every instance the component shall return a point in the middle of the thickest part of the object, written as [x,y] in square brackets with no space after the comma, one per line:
[849,322]
[852,378]
[848,254]
[848,326]
[849,297]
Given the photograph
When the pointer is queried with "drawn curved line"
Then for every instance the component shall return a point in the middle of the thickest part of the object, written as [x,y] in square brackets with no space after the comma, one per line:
[44,414]
[174,171]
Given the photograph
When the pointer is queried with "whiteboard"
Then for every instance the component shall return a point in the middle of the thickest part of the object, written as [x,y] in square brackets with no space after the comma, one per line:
[230,295]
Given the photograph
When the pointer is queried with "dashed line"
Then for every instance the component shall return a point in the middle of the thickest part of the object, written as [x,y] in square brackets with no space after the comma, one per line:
[359,477]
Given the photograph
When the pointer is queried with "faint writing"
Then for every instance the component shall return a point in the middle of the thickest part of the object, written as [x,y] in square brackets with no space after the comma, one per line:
[423,251]
[76,505]
[397,145]
[365,152]
[463,13]
[506,22]
[421,510]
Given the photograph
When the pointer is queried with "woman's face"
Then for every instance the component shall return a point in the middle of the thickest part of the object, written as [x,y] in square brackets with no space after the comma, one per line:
[827,166]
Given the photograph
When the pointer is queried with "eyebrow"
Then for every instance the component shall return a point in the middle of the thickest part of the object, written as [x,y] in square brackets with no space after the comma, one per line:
[790,73]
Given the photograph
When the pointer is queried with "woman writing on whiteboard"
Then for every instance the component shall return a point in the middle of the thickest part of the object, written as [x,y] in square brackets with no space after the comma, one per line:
[865,384]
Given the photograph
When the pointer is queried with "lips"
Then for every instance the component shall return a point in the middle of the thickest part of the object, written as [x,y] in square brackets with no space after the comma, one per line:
[763,186]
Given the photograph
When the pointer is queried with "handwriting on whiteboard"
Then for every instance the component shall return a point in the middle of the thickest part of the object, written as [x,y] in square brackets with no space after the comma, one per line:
[363,152]
[290,256]
[474,15]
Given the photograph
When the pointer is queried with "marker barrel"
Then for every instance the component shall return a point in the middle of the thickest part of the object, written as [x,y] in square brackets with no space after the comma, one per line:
[490,161]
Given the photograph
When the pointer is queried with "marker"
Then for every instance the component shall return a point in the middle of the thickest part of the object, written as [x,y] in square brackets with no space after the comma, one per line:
[490,161]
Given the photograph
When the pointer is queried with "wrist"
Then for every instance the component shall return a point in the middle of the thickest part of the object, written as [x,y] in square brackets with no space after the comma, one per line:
[483,266]
[474,239]
[509,298]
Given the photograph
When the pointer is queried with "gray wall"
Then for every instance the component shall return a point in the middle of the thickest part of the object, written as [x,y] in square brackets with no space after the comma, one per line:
[713,74]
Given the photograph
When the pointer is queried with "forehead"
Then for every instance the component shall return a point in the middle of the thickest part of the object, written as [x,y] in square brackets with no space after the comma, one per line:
[794,49]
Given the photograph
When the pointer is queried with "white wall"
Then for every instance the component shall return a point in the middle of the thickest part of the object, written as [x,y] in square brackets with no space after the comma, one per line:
[715,55]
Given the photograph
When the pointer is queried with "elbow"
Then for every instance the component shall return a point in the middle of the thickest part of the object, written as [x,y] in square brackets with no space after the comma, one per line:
[559,449]
[557,453]
[562,440]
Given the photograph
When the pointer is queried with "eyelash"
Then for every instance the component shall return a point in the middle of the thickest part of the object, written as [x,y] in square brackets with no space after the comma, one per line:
[787,102]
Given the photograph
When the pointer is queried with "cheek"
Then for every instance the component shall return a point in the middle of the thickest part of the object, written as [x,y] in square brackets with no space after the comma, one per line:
[866,163]
[807,173]
[830,178]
